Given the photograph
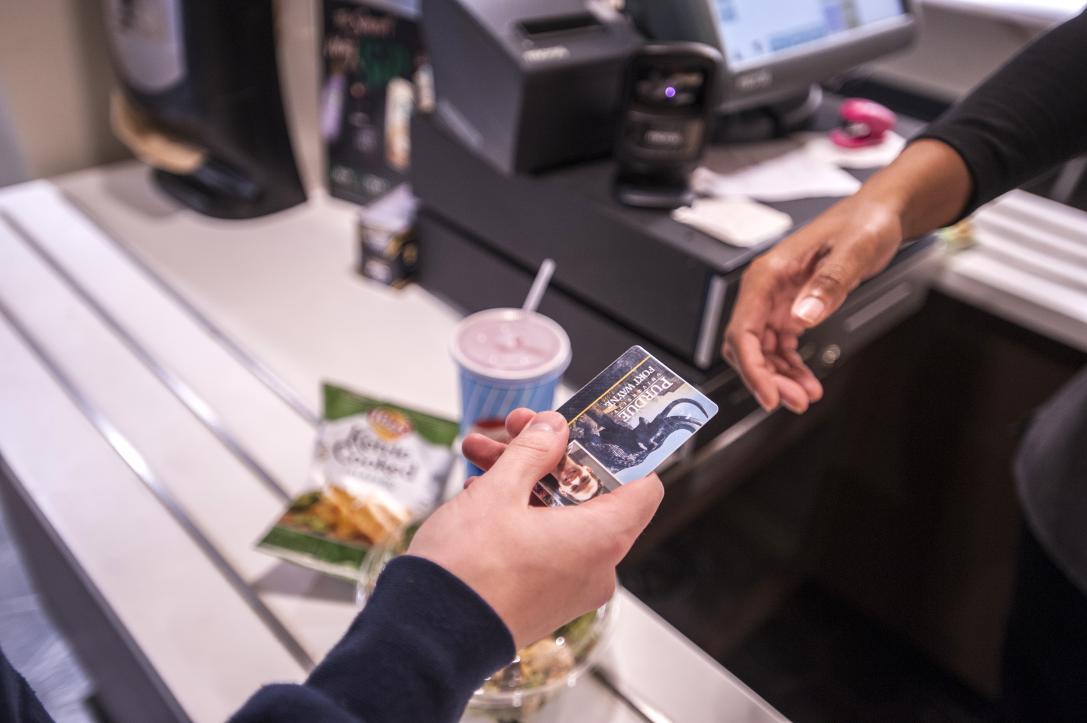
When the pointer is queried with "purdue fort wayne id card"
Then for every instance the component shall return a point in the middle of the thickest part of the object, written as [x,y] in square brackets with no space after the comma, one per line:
[623,424]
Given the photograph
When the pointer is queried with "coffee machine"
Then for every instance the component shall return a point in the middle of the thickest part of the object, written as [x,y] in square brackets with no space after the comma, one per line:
[200,102]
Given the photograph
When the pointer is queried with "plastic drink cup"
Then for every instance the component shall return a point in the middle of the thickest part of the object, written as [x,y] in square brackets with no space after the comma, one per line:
[508,358]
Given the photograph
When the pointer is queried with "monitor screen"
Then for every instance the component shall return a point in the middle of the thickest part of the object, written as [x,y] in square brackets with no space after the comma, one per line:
[755,30]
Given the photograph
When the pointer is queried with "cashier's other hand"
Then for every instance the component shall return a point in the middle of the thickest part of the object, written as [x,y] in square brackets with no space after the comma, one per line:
[538,567]
[795,286]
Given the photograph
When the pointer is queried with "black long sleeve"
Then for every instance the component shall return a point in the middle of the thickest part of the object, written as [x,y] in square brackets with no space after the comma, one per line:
[416,652]
[1026,118]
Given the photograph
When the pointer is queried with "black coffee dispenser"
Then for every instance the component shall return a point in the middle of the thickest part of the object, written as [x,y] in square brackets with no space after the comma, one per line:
[200,102]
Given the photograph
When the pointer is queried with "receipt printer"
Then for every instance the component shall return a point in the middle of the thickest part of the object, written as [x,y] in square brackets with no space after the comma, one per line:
[527,84]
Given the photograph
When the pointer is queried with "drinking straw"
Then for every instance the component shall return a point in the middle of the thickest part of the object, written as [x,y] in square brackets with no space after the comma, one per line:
[539,285]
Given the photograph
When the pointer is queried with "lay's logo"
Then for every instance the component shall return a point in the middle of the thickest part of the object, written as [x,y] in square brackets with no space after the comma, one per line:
[389,424]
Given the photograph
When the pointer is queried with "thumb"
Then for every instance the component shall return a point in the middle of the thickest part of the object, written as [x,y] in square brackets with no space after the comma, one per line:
[832,278]
[530,455]
[626,511]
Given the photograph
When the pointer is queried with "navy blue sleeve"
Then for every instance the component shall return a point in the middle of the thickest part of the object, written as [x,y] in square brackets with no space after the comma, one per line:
[1028,117]
[17,701]
[418,650]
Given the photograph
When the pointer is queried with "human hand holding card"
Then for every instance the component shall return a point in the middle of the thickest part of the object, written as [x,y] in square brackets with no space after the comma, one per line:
[623,425]
[537,568]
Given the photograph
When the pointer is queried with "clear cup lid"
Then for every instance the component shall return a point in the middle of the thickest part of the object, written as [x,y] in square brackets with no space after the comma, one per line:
[511,344]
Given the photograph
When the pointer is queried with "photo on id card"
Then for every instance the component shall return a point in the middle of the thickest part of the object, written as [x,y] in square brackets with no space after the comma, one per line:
[623,424]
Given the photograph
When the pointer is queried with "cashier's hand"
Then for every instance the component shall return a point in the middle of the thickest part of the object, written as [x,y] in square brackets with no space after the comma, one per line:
[795,286]
[538,567]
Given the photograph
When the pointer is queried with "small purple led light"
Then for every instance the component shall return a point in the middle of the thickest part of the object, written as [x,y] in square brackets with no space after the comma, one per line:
[670,92]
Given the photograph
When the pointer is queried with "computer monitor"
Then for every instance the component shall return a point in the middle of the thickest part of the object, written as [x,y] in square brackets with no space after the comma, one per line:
[778,49]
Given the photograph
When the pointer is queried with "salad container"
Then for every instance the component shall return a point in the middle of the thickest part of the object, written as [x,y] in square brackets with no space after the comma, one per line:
[540,671]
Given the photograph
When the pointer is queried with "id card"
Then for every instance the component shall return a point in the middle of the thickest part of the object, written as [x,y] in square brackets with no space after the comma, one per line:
[623,424]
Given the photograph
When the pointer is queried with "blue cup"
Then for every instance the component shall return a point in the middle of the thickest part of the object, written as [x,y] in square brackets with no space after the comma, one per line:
[508,358]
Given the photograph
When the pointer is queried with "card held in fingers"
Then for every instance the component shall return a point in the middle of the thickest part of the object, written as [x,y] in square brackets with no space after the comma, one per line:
[623,424]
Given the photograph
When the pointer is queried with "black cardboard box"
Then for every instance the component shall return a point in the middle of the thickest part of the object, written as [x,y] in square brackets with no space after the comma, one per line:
[375,71]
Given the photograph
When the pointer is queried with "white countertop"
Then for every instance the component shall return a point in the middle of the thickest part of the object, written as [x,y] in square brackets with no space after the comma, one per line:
[1028,265]
[131,353]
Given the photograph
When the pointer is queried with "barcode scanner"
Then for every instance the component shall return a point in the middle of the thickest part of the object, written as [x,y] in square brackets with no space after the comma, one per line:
[668,96]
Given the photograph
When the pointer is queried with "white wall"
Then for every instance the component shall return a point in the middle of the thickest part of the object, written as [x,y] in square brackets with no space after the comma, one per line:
[954,51]
[55,76]
[12,166]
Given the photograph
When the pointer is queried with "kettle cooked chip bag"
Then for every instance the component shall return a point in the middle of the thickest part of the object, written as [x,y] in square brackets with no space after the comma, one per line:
[376,467]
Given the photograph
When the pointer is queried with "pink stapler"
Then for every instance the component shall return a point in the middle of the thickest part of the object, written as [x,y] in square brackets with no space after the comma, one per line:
[864,123]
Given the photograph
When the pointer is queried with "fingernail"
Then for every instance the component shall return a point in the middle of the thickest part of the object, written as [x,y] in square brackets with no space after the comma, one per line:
[762,402]
[550,422]
[809,309]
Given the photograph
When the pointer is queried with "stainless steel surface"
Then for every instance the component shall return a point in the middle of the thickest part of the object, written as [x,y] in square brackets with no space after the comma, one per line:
[184,393]
[730,435]
[139,466]
[711,322]
[880,305]
[630,698]
[256,367]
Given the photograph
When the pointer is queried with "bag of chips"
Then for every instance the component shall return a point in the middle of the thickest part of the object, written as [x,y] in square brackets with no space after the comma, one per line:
[377,466]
